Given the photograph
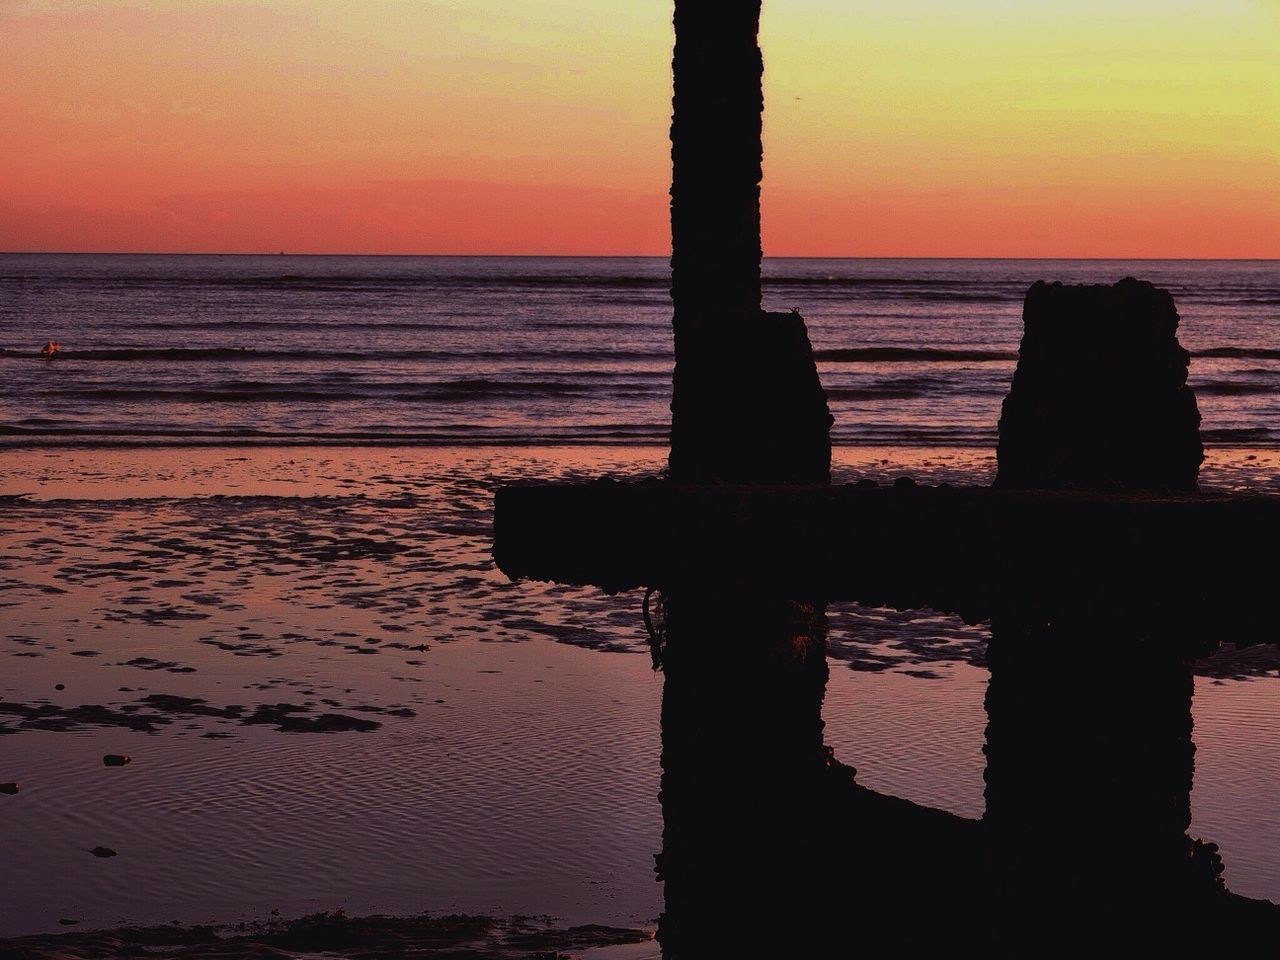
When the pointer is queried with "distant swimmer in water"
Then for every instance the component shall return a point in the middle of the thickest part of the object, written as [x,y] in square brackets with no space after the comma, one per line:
[50,348]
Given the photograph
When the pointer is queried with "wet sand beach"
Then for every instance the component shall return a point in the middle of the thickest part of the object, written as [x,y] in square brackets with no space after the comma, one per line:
[331,699]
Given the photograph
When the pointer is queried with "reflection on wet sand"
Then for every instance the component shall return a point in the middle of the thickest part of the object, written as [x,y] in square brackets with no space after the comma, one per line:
[1095,617]
[770,848]
[562,810]
[769,843]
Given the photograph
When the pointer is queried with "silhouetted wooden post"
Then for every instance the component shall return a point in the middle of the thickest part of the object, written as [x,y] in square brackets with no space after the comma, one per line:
[742,728]
[1090,758]
[716,165]
[747,405]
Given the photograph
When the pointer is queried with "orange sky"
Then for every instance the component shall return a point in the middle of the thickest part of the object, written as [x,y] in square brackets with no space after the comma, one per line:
[1130,128]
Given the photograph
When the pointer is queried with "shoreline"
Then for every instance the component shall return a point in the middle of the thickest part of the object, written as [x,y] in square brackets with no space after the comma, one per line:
[33,440]
[46,472]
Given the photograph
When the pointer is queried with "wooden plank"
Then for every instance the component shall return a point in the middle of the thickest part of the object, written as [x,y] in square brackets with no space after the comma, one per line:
[1196,567]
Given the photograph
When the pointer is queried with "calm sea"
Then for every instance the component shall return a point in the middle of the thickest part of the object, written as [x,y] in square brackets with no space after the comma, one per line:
[432,350]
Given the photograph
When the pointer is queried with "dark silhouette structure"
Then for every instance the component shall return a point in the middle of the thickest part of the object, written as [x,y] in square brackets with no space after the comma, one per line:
[1089,773]
[747,406]
[1095,615]
[770,847]
[716,164]
[1100,398]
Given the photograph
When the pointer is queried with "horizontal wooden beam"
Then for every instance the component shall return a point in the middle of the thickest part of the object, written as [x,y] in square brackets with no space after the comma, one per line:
[1199,568]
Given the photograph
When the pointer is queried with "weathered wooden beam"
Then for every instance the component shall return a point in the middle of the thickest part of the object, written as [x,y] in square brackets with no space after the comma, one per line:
[1180,564]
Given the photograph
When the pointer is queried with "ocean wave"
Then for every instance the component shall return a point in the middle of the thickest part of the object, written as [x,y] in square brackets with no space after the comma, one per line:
[177,354]
[470,435]
[1240,436]
[1231,388]
[239,323]
[251,354]
[895,435]
[461,435]
[1239,353]
[945,354]
[346,392]
[912,355]
[829,355]
[343,283]
[908,388]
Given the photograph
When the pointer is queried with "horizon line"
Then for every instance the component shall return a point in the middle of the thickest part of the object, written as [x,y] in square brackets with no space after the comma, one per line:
[596,256]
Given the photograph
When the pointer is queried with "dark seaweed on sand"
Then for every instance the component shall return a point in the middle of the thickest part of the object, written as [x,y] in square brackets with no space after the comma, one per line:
[393,938]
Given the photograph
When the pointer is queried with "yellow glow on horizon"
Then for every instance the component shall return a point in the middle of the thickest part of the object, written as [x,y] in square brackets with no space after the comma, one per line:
[911,127]
[1029,128]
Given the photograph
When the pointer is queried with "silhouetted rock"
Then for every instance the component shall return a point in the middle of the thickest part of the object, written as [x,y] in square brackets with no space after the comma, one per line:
[1100,398]
[9,789]
[116,760]
[103,852]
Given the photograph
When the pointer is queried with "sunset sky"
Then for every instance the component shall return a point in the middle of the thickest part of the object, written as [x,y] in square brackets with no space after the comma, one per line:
[1129,128]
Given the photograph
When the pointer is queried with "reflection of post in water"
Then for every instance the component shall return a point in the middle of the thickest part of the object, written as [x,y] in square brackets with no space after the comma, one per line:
[1089,767]
[1089,749]
[769,846]
[743,766]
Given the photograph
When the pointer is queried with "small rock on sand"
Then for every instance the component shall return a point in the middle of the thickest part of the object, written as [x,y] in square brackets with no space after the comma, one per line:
[9,789]
[116,760]
[103,852]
